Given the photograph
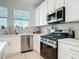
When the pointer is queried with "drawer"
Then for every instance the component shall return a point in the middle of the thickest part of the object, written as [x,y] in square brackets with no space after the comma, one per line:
[67,47]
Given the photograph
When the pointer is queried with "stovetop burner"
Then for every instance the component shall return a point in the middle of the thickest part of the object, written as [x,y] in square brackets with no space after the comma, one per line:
[56,35]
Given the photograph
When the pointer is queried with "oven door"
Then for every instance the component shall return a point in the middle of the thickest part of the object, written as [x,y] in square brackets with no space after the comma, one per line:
[48,52]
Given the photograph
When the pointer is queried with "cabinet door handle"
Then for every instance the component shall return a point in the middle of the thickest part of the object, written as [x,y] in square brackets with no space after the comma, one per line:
[74,50]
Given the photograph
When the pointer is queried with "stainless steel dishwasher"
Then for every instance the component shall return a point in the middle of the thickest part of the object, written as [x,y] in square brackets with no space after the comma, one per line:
[26,43]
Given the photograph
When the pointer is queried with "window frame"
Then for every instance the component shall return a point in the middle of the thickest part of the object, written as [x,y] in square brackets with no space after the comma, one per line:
[4,17]
[16,18]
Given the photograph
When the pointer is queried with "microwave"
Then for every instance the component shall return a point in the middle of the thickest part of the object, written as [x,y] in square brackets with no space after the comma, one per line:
[58,16]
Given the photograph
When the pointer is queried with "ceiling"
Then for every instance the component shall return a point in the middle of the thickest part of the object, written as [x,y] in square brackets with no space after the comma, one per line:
[34,2]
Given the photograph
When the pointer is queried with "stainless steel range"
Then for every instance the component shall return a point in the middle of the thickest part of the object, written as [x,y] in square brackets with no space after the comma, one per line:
[49,44]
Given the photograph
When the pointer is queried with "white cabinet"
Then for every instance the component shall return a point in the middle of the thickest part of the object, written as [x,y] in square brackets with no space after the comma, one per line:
[15,46]
[37,16]
[41,14]
[45,8]
[68,49]
[50,6]
[72,10]
[59,3]
[62,54]
[13,43]
[76,57]
[36,45]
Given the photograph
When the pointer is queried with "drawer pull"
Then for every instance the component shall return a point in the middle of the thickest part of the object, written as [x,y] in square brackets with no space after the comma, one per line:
[75,50]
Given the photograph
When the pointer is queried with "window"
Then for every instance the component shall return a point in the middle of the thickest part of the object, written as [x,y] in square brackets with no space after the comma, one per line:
[21,18]
[3,17]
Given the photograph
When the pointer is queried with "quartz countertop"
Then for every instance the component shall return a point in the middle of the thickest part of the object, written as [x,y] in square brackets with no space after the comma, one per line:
[72,41]
[18,35]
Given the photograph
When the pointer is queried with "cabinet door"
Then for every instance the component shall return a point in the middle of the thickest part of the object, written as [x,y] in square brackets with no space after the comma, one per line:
[37,43]
[72,11]
[43,13]
[14,46]
[75,53]
[50,6]
[59,3]
[62,54]
[34,44]
[37,16]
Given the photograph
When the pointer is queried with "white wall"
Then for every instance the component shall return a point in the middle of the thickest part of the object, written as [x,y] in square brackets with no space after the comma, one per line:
[73,26]
[11,4]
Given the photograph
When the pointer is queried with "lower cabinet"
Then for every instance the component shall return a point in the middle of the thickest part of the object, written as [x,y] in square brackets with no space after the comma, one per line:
[13,44]
[76,57]
[68,50]
[36,45]
[62,54]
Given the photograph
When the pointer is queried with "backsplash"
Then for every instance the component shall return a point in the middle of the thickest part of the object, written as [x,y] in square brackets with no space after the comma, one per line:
[73,26]
[64,26]
[46,29]
[29,30]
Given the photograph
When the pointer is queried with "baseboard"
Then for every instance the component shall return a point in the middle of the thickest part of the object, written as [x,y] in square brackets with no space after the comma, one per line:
[26,51]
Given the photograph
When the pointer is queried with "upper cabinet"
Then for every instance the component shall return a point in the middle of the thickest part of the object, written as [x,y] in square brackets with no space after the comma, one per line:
[59,3]
[37,16]
[41,14]
[72,10]
[50,6]
[45,8]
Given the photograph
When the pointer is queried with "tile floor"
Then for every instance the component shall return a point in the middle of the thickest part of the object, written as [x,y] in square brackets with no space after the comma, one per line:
[28,55]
